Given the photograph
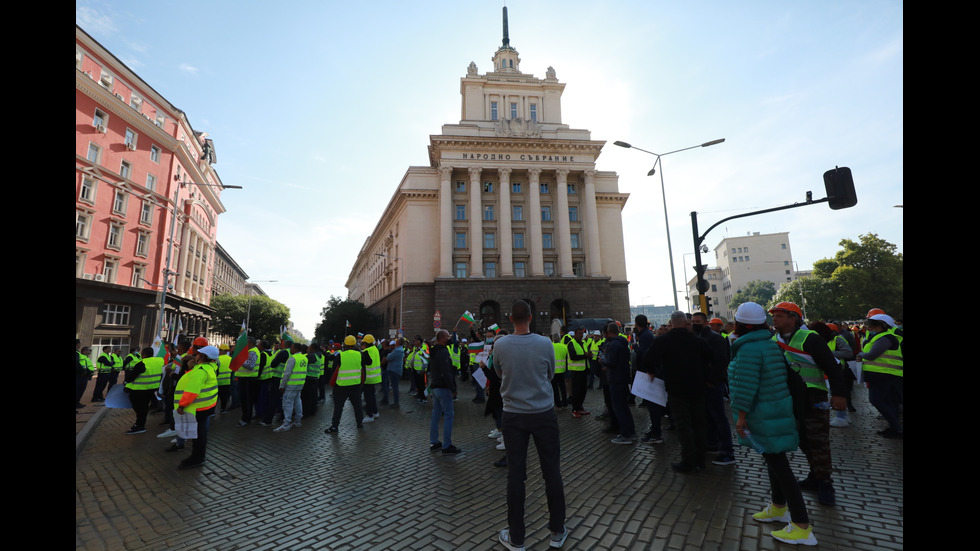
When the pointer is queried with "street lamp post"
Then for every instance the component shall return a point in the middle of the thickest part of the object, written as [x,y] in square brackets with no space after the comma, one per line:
[401,293]
[248,309]
[663,193]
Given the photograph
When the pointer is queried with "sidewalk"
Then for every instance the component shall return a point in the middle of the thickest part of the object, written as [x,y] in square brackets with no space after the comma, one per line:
[380,488]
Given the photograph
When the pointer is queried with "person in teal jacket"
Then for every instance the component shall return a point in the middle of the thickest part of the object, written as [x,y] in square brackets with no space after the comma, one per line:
[763,410]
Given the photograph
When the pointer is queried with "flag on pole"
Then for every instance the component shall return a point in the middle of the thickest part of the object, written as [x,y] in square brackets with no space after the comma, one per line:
[285,337]
[467,317]
[494,328]
[240,353]
[347,322]
[475,347]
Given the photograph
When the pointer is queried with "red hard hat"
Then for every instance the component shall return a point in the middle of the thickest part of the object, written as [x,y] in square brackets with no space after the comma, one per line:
[200,342]
[716,320]
[787,307]
[874,312]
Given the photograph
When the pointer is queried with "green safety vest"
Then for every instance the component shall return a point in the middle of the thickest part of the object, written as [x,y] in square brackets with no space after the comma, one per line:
[266,373]
[417,360]
[102,367]
[561,357]
[150,378]
[573,364]
[890,362]
[132,359]
[86,362]
[117,362]
[200,380]
[276,372]
[224,370]
[374,369]
[316,368]
[250,372]
[297,378]
[349,372]
[800,361]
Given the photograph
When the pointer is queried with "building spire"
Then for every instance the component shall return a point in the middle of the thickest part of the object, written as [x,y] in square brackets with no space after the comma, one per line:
[506,43]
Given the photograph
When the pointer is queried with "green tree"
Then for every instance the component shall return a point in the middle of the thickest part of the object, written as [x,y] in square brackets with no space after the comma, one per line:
[868,274]
[337,313]
[817,296]
[759,291]
[265,315]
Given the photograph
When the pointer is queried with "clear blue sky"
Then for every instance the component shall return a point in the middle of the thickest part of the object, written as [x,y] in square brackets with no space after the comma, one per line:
[318,108]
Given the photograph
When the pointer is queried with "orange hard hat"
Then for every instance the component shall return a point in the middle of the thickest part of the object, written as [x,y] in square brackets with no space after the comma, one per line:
[716,320]
[787,307]
[874,312]
[200,342]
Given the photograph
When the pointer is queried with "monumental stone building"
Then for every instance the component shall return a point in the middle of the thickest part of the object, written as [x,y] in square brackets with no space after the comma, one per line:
[510,207]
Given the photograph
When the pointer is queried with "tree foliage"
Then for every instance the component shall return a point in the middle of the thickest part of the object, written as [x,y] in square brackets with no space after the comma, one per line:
[335,316]
[817,296]
[759,291]
[265,315]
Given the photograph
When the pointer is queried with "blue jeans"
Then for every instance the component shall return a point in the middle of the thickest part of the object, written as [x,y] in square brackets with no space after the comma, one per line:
[884,393]
[618,394]
[442,405]
[719,431]
[390,379]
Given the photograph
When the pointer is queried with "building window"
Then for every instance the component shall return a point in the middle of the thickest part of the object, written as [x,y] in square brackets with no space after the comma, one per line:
[513,110]
[154,154]
[139,273]
[733,250]
[130,140]
[99,120]
[746,249]
[460,212]
[519,270]
[460,186]
[493,110]
[489,240]
[83,223]
[571,189]
[487,187]
[515,187]
[578,268]
[151,182]
[460,240]
[125,169]
[534,112]
[544,189]
[714,288]
[546,241]
[109,271]
[746,258]
[783,245]
[114,241]
[146,214]
[94,154]
[549,269]
[518,213]
[488,212]
[518,240]
[87,193]
[573,214]
[142,244]
[490,269]
[787,272]
[546,214]
[576,244]
[461,270]
[115,314]
[119,203]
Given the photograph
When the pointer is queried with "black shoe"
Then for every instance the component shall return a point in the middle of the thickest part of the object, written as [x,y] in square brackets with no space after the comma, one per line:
[685,468]
[186,465]
[502,462]
[479,400]
[136,430]
[450,450]
[436,446]
[826,494]
[175,447]
[808,484]
[891,433]
[330,430]
[383,403]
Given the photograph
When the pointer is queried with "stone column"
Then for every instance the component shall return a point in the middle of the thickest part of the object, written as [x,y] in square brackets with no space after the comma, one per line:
[504,241]
[180,281]
[445,221]
[533,237]
[562,233]
[476,224]
[590,221]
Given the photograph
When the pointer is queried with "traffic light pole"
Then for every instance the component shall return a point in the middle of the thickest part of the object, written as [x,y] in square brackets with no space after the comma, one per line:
[840,195]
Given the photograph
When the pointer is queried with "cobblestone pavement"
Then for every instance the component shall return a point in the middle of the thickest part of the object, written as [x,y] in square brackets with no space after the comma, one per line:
[380,488]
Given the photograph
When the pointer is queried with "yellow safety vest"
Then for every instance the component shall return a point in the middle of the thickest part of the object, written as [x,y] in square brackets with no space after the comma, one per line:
[150,378]
[349,372]
[890,362]
[200,380]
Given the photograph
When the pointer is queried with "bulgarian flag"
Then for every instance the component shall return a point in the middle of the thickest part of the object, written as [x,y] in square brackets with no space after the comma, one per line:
[475,347]
[494,328]
[467,317]
[240,352]
[285,337]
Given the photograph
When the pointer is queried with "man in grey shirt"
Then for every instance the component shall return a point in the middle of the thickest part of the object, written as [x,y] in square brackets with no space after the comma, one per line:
[525,363]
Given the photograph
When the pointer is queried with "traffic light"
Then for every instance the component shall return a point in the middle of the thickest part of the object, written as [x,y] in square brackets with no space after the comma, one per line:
[840,188]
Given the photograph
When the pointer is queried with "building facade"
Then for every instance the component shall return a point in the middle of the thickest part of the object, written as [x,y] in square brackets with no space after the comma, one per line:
[766,257]
[510,207]
[147,201]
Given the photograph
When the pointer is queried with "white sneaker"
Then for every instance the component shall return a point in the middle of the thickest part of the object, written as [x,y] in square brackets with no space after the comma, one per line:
[839,422]
[377,415]
[281,428]
[501,446]
[368,419]
[494,434]
[169,433]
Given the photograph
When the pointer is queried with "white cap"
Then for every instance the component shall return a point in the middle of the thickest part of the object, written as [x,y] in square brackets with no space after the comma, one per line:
[210,351]
[750,313]
[883,318]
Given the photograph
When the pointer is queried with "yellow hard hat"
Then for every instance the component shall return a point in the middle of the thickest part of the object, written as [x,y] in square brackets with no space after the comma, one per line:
[369,338]
[350,340]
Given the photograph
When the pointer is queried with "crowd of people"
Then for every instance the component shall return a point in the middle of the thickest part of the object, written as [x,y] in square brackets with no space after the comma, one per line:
[780,382]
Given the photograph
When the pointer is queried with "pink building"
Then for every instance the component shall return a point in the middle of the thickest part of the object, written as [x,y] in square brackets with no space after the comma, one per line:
[143,176]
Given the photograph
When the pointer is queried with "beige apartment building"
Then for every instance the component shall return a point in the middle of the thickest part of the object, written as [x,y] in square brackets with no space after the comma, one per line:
[510,207]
